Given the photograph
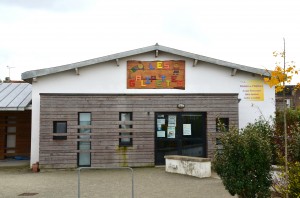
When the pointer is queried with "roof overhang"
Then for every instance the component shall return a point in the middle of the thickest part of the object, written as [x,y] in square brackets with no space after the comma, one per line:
[29,76]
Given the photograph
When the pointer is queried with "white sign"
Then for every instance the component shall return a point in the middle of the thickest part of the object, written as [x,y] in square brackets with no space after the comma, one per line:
[161,134]
[172,120]
[187,129]
[171,132]
[159,127]
[161,121]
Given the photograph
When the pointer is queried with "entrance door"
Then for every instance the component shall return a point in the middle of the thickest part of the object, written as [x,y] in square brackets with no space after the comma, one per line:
[179,134]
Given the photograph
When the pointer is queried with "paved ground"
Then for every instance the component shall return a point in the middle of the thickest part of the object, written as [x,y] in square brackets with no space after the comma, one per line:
[149,183]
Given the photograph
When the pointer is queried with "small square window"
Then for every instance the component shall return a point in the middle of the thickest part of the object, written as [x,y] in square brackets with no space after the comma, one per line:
[59,127]
[222,124]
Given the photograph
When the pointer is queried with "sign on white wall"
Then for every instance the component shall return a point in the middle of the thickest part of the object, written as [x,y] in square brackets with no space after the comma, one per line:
[156,74]
[252,90]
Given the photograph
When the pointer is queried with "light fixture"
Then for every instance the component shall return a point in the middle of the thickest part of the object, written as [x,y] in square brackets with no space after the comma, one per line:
[180,106]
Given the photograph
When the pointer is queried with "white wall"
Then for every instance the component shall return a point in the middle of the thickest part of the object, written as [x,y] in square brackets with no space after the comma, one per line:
[251,110]
[110,78]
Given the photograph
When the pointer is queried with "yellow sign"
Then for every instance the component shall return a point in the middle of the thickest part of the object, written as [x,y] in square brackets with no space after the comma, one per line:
[252,90]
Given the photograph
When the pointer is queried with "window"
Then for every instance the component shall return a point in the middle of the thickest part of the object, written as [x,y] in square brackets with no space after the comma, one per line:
[84,120]
[59,128]
[11,132]
[222,124]
[125,117]
[125,137]
[219,146]
[84,143]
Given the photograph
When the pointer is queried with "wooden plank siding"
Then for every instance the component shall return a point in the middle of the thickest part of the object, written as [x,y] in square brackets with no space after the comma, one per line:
[104,137]
[22,121]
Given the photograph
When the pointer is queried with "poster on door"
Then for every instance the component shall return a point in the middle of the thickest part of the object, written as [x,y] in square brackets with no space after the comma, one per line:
[172,120]
[160,123]
[171,132]
[161,134]
[187,129]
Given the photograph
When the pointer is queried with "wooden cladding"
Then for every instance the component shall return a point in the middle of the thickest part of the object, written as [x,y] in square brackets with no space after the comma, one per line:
[156,74]
[15,133]
[105,125]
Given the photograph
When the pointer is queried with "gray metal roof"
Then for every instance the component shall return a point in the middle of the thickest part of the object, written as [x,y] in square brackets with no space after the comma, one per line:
[15,96]
[42,72]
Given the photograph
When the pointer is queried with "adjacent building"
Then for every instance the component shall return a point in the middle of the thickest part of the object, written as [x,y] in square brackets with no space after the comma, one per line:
[15,120]
[292,98]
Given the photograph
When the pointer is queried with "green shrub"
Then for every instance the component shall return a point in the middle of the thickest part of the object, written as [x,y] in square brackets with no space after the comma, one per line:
[294,144]
[245,161]
[294,180]
[292,186]
[293,132]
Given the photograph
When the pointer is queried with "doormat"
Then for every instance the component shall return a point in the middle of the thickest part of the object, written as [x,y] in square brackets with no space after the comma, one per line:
[28,194]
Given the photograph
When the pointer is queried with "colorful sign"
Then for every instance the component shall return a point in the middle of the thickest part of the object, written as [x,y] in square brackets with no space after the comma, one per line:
[252,90]
[156,74]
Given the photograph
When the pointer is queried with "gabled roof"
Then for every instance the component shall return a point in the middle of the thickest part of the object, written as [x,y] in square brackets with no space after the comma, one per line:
[42,72]
[15,96]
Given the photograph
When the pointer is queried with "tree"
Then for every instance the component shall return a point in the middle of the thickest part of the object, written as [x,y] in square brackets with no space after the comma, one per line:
[282,74]
[279,78]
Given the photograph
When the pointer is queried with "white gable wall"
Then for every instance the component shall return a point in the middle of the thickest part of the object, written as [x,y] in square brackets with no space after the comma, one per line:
[110,78]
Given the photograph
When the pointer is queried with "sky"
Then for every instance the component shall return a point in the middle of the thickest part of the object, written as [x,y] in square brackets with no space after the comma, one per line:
[37,34]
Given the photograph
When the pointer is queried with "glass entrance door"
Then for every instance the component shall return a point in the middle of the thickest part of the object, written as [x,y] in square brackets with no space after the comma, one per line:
[179,134]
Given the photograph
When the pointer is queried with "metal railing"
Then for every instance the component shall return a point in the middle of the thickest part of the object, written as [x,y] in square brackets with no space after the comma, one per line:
[107,168]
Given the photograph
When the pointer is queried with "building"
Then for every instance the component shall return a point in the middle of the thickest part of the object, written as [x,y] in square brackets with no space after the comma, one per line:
[15,119]
[292,97]
[134,107]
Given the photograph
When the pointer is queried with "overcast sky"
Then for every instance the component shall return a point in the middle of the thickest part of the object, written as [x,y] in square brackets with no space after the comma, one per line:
[37,34]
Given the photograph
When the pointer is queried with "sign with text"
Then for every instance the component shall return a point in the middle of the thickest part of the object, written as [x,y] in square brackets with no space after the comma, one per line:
[252,90]
[156,74]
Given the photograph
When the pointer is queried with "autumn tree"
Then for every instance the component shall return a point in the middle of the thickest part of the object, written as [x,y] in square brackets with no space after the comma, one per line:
[283,74]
